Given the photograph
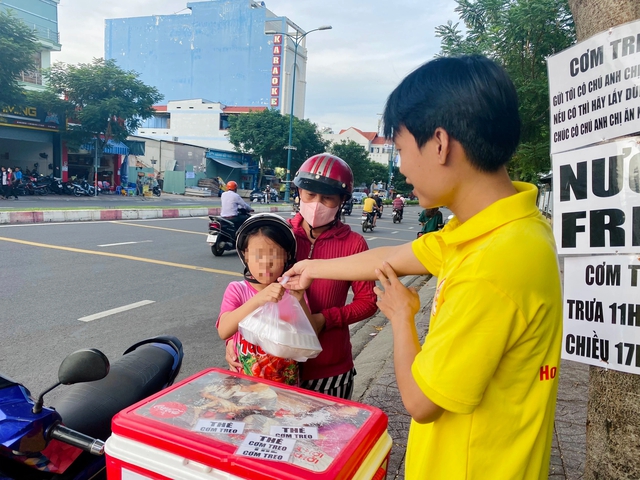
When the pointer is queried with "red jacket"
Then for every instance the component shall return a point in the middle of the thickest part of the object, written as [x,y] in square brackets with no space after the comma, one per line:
[329,297]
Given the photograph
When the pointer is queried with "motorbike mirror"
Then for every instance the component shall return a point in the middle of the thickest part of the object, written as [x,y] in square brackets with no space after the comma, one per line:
[86,365]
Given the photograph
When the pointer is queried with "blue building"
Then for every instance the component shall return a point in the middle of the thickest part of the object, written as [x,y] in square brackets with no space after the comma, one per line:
[218,51]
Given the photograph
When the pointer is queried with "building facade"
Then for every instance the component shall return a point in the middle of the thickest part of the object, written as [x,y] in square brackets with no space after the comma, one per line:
[29,134]
[380,150]
[218,51]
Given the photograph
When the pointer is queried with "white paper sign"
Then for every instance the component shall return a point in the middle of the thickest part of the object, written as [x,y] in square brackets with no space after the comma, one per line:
[256,445]
[596,199]
[218,426]
[602,311]
[594,89]
[310,433]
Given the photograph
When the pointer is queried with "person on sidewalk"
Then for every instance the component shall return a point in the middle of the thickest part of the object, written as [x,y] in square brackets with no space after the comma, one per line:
[324,182]
[10,189]
[4,182]
[481,391]
[231,205]
[17,179]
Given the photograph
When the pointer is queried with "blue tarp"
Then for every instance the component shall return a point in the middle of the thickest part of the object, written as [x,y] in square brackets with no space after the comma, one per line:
[124,171]
[113,148]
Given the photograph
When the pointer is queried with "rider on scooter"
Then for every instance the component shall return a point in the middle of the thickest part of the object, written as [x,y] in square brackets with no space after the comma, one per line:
[398,205]
[231,202]
[370,207]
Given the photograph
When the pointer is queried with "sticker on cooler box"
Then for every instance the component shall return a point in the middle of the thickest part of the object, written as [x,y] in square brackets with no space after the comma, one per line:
[311,458]
[217,426]
[129,475]
[266,447]
[308,433]
[168,409]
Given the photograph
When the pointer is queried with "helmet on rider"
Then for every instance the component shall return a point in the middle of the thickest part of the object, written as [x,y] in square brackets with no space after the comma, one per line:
[325,174]
[398,196]
[231,185]
[273,227]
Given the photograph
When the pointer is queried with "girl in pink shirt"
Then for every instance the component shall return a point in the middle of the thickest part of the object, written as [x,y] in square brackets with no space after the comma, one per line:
[266,246]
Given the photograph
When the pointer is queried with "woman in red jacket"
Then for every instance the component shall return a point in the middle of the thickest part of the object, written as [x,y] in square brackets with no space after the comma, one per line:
[324,183]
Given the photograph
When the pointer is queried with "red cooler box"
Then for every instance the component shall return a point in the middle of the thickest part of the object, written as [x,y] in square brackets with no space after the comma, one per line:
[222,425]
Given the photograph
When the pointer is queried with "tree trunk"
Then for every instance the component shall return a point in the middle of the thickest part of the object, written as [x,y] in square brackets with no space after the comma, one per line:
[594,16]
[613,412]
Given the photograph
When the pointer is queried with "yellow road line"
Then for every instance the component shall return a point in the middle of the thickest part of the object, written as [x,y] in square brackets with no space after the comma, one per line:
[124,257]
[157,228]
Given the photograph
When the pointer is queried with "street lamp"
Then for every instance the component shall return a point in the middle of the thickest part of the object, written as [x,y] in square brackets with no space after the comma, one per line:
[297,39]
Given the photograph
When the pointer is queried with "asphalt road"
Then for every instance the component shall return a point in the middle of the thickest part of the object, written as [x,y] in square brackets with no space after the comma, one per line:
[53,275]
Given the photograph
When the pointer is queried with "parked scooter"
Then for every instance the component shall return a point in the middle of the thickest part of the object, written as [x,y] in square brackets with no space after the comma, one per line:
[222,232]
[83,187]
[67,442]
[156,190]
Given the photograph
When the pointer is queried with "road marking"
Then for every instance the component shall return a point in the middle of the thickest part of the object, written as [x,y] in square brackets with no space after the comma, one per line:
[410,228]
[393,233]
[124,243]
[403,240]
[113,311]
[125,257]
[372,238]
[157,228]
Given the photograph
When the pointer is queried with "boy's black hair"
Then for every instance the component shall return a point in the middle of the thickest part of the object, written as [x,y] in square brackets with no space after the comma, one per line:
[470,97]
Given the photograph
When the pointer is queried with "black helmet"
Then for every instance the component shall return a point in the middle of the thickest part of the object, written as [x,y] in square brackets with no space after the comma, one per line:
[254,222]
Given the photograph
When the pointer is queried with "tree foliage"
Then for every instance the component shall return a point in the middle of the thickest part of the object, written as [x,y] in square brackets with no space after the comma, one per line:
[519,35]
[357,157]
[18,47]
[265,134]
[99,99]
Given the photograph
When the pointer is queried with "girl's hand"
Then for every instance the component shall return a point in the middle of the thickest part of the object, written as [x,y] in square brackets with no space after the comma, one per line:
[395,301]
[272,293]
[297,294]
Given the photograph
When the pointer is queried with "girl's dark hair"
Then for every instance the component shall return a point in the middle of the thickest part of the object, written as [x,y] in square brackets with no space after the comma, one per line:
[470,97]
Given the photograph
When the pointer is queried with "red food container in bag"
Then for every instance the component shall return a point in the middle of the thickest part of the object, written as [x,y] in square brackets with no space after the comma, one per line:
[223,425]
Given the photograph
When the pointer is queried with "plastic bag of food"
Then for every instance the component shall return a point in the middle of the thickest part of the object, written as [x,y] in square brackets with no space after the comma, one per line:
[282,329]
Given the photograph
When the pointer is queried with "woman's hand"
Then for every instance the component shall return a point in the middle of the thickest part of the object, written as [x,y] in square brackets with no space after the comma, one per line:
[297,294]
[271,293]
[396,301]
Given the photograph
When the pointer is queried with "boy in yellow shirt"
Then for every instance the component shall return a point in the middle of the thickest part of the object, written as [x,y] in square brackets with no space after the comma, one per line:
[481,390]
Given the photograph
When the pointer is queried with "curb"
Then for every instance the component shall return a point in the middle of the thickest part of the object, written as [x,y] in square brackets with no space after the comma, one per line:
[49,216]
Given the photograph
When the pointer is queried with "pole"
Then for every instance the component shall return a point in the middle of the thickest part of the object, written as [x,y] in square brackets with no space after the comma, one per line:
[390,166]
[287,186]
[95,170]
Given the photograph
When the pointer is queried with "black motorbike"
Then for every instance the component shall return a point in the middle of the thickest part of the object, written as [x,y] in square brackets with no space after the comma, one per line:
[397,215]
[33,436]
[222,231]
[367,221]
[157,191]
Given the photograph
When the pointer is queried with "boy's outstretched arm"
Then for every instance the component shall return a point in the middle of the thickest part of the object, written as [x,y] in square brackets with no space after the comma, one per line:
[355,267]
[400,305]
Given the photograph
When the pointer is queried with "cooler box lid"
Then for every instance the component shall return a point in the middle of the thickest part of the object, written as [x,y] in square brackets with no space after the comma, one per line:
[239,424]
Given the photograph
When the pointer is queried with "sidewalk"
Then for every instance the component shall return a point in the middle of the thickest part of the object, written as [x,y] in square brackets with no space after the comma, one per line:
[376,385]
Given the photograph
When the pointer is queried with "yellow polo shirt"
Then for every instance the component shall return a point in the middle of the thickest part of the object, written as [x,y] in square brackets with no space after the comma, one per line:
[491,356]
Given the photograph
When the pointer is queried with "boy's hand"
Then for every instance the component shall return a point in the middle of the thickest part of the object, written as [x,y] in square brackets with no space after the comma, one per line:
[272,293]
[396,301]
[299,277]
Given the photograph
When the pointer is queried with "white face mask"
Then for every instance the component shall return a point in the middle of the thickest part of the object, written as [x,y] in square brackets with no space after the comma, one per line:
[316,214]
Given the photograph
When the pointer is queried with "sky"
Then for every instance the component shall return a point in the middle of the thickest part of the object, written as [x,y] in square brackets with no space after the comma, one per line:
[351,69]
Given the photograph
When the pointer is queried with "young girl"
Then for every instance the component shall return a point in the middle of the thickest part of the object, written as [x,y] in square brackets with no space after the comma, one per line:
[267,248]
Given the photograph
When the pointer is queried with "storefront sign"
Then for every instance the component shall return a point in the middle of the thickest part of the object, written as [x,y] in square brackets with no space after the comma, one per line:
[29,117]
[596,199]
[594,89]
[276,66]
[602,311]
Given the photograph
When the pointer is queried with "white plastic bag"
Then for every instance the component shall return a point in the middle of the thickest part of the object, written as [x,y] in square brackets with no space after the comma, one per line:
[281,329]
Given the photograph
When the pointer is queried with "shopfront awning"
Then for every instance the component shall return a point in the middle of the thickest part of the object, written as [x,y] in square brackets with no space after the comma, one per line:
[113,148]
[228,163]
